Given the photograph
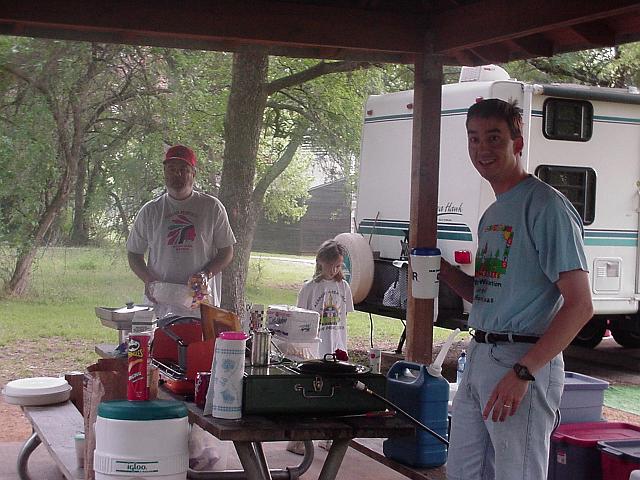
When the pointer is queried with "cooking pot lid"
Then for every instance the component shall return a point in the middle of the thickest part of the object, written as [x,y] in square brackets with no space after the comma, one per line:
[331,365]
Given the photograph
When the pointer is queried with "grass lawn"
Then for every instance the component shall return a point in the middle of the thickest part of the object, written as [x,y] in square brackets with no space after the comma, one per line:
[57,316]
[623,397]
[67,283]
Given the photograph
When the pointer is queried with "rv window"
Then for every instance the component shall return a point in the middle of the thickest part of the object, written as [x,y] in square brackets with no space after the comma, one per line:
[578,184]
[567,119]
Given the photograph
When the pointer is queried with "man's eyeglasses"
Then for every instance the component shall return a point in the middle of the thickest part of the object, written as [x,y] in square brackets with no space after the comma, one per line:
[178,169]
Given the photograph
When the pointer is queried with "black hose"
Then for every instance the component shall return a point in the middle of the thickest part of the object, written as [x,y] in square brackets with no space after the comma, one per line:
[362,387]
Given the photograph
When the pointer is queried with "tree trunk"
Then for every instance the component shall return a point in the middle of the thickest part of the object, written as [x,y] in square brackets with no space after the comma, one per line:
[22,272]
[79,235]
[124,219]
[242,127]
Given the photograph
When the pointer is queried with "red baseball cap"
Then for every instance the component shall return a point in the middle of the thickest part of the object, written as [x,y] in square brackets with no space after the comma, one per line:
[180,152]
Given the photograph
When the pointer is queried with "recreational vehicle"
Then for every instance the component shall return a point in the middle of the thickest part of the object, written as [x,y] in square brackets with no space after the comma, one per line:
[584,141]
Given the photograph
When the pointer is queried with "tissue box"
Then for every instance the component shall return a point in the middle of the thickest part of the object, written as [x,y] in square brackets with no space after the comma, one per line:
[293,324]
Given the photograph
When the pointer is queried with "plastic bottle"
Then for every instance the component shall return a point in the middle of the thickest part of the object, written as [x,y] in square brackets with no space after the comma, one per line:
[423,393]
[462,362]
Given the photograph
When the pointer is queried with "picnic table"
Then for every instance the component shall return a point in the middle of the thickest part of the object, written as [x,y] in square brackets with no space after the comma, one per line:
[54,426]
[249,432]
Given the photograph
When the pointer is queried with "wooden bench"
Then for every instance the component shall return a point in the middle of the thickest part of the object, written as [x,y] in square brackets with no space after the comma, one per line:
[54,426]
[372,448]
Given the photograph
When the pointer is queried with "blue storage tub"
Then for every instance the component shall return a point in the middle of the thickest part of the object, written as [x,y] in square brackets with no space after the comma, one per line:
[582,398]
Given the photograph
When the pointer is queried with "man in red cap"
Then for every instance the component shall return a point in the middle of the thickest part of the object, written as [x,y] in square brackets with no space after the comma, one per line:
[187,236]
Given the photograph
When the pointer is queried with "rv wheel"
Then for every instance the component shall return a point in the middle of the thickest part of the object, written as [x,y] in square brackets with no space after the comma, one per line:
[358,264]
[626,338]
[590,335]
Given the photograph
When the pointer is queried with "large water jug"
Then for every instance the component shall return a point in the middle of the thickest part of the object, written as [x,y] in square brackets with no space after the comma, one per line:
[424,397]
[423,393]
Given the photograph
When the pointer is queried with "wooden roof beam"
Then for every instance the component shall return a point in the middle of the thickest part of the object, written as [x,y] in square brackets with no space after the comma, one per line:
[535,45]
[494,21]
[220,23]
[597,34]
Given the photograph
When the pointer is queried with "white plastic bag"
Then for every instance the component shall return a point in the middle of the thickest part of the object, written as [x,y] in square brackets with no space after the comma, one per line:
[206,452]
[172,293]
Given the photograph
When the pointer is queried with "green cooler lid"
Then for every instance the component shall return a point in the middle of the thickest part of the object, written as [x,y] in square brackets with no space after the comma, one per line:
[149,410]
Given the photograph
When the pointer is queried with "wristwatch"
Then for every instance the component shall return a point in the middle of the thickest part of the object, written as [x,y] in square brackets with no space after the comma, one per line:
[523,372]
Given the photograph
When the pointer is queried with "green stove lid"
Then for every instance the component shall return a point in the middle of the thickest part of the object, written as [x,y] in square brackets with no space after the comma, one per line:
[149,410]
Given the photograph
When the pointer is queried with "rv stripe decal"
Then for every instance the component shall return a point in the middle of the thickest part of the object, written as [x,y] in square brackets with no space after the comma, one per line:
[463,111]
[611,238]
[398,228]
[462,232]
[409,116]
[389,118]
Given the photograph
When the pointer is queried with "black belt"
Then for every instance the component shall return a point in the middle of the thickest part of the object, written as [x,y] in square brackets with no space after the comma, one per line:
[484,337]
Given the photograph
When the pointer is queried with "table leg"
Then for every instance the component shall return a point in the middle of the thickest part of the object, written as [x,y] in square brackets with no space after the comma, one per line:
[334,459]
[254,467]
[23,456]
[262,460]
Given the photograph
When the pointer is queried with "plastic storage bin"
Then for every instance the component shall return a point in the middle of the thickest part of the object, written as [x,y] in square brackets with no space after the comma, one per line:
[619,458]
[574,451]
[582,398]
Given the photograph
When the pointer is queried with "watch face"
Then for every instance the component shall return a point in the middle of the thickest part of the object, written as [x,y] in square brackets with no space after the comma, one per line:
[523,372]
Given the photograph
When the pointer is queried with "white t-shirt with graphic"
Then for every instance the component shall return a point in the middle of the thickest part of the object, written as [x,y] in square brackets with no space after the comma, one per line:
[332,300]
[182,236]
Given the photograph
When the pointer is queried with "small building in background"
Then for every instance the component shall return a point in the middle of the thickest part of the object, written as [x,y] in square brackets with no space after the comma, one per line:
[328,214]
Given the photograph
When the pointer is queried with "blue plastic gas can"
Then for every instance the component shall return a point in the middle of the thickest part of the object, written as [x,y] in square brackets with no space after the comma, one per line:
[424,397]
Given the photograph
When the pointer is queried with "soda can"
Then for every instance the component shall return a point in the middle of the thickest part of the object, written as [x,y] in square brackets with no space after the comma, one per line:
[202,387]
[375,360]
[138,367]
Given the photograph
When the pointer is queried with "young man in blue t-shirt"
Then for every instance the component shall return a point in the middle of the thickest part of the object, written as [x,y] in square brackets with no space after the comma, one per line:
[530,296]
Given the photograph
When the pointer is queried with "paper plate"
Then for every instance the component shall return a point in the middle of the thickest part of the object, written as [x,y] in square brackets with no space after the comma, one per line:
[36,391]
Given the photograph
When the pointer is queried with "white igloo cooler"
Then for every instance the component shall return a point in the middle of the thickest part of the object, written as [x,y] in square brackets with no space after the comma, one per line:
[147,440]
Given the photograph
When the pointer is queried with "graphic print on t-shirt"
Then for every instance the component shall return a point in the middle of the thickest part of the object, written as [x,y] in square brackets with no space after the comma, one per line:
[181,230]
[330,310]
[492,261]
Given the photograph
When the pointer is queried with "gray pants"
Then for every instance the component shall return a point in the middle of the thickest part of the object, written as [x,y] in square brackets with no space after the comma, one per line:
[518,448]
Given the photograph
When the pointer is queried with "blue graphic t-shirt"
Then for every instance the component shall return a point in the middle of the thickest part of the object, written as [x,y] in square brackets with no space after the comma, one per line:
[526,238]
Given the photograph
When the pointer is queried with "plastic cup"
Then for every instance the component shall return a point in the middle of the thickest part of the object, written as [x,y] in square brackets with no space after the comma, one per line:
[375,360]
[425,267]
[79,443]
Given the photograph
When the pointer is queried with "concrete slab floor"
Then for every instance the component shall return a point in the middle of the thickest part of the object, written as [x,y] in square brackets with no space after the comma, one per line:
[355,464]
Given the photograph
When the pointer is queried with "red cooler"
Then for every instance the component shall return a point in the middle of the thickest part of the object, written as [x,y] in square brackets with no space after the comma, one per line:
[619,458]
[574,451]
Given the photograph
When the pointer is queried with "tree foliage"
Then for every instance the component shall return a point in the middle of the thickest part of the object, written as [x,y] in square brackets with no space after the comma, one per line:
[615,67]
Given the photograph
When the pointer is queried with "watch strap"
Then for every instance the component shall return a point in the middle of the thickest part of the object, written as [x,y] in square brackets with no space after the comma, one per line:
[523,373]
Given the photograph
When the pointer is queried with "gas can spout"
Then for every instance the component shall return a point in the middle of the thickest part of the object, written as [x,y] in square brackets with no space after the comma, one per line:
[435,369]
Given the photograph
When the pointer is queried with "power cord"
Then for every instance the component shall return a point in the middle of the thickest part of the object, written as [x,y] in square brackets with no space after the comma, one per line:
[363,388]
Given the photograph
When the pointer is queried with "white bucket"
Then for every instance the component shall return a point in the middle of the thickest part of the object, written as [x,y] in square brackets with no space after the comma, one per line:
[425,267]
[154,449]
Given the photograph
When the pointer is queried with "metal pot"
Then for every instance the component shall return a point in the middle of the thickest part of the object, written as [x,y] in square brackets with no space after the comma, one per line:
[330,365]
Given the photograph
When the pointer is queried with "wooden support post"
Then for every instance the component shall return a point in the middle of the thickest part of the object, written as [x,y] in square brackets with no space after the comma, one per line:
[425,169]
